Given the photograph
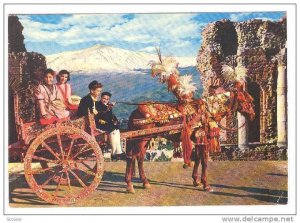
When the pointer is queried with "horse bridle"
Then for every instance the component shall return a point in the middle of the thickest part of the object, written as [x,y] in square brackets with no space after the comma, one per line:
[232,106]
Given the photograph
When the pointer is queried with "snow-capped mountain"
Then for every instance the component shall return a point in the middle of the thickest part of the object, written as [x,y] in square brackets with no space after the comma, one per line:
[100,58]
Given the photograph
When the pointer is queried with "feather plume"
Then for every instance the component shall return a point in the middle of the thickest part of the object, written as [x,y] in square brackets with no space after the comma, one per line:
[167,72]
[186,85]
[228,73]
[165,69]
[241,73]
[238,73]
[157,69]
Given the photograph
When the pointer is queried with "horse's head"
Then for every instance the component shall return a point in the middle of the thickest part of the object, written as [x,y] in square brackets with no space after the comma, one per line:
[243,102]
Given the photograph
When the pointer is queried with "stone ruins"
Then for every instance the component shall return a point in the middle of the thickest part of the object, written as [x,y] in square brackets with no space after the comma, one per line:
[260,47]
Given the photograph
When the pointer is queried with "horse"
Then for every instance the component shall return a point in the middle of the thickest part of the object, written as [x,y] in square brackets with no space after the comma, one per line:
[237,100]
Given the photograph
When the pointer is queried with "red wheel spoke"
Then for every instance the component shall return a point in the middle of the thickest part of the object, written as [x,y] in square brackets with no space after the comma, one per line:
[50,150]
[58,184]
[49,179]
[38,171]
[68,179]
[82,150]
[79,180]
[69,160]
[44,159]
[70,148]
[87,166]
[60,145]
[86,171]
[86,159]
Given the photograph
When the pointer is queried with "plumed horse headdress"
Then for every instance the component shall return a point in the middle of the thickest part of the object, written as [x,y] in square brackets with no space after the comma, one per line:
[166,69]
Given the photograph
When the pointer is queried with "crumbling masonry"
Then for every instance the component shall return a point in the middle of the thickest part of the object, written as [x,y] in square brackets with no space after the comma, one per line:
[260,47]
[24,70]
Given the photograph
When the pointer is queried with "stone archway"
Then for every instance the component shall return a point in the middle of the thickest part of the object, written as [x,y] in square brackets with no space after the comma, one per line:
[255,91]
[227,38]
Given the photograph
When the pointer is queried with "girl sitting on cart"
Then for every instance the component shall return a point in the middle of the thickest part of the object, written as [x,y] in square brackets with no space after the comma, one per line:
[52,109]
[65,92]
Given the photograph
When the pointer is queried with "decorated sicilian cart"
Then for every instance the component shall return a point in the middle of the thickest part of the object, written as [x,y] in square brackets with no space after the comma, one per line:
[63,162]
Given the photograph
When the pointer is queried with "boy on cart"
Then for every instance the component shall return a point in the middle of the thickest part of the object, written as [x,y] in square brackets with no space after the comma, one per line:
[107,121]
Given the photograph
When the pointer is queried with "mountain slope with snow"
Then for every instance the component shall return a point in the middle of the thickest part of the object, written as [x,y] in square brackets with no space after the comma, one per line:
[100,58]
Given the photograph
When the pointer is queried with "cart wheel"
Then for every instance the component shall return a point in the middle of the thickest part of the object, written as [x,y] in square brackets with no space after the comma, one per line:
[71,165]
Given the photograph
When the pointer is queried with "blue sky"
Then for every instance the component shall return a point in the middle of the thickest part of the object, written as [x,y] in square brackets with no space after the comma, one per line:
[177,34]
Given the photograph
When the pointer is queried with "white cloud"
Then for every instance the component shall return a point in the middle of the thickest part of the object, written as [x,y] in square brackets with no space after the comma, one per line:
[180,44]
[149,49]
[150,29]
[35,31]
[178,25]
[71,29]
[168,26]
[266,19]
[137,38]
[101,20]
[235,17]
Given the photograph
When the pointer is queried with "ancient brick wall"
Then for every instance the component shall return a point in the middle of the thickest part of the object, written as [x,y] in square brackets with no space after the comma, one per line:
[15,36]
[24,71]
[257,45]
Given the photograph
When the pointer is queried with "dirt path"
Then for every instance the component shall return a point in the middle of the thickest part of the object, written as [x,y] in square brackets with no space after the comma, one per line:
[234,183]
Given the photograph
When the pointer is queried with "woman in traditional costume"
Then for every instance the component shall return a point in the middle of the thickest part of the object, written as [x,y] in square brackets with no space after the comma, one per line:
[65,90]
[52,109]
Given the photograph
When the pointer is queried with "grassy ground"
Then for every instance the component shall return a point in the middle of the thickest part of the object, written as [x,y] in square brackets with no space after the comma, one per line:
[234,183]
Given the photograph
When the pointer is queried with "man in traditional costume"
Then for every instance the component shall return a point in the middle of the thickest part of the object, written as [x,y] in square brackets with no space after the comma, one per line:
[89,103]
[107,121]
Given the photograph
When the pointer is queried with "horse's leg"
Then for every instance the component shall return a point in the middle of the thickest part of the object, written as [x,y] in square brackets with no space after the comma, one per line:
[195,174]
[204,163]
[128,175]
[133,168]
[140,159]
[130,158]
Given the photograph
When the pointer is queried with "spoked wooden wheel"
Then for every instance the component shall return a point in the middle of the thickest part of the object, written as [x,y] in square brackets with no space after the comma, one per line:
[71,165]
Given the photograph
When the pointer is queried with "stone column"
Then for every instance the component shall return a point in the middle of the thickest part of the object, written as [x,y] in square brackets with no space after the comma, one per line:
[243,132]
[281,106]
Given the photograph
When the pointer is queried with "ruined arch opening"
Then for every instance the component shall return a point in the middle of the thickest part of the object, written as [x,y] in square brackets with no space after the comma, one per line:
[255,91]
[227,37]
